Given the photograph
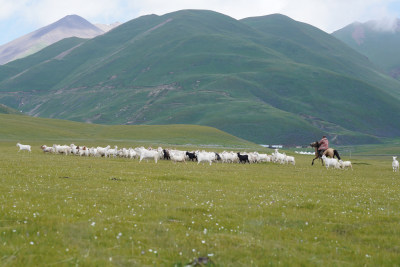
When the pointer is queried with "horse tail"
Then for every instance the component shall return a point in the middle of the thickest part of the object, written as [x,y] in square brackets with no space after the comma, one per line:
[336,154]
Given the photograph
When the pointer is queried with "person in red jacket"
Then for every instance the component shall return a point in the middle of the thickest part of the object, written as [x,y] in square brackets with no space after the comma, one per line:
[323,145]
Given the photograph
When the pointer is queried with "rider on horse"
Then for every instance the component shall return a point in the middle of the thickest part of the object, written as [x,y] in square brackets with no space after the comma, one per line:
[323,145]
[322,148]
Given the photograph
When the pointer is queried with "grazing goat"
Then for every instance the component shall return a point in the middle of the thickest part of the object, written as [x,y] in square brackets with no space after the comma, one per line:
[345,164]
[243,158]
[395,164]
[24,147]
[330,162]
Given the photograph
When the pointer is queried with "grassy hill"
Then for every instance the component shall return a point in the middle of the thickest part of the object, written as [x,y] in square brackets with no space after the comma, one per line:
[7,110]
[252,78]
[22,129]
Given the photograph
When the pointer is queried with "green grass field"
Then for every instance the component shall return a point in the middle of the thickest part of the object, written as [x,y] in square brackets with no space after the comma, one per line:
[60,210]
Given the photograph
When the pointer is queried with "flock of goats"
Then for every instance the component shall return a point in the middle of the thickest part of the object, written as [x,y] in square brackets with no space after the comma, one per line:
[182,156]
[168,154]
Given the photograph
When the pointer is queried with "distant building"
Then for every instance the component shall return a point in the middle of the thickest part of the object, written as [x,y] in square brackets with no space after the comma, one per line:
[273,146]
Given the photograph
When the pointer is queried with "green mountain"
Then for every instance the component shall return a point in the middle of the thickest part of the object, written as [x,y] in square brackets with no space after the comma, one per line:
[378,40]
[267,79]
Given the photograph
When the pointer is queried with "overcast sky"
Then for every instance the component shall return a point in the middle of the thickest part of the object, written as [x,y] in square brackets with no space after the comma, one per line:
[19,17]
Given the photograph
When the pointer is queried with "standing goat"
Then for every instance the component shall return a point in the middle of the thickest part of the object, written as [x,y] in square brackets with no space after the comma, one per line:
[395,164]
[330,162]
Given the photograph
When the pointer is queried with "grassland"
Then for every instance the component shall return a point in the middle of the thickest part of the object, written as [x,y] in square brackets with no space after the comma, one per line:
[67,210]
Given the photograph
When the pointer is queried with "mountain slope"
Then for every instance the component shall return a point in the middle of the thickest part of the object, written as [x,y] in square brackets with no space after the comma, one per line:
[7,110]
[53,130]
[69,26]
[201,67]
[380,44]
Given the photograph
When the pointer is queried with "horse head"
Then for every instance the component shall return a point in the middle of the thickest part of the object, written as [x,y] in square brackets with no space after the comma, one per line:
[315,144]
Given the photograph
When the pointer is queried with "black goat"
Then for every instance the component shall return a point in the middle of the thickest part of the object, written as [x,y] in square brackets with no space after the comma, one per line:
[166,154]
[243,158]
[192,156]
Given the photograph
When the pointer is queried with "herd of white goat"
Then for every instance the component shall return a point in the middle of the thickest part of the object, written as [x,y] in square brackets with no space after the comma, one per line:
[174,155]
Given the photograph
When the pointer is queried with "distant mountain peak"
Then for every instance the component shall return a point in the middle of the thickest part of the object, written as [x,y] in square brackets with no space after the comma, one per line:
[74,21]
[382,25]
[71,23]
[379,40]
[68,26]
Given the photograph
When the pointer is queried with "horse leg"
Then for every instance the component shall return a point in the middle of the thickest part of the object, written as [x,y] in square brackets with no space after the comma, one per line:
[312,163]
[336,154]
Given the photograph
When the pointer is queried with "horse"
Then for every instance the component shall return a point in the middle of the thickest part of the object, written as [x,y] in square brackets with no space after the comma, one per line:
[330,152]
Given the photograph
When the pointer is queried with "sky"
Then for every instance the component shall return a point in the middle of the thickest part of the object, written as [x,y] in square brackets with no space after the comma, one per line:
[19,17]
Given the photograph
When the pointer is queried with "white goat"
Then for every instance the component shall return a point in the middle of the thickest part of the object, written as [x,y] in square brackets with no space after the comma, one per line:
[290,159]
[177,155]
[83,151]
[345,164]
[47,149]
[93,152]
[74,149]
[395,164]
[263,157]
[62,149]
[132,153]
[278,157]
[102,151]
[24,147]
[330,162]
[149,154]
[112,152]
[205,156]
[229,157]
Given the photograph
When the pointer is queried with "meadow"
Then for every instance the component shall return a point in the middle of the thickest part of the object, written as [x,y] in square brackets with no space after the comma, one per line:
[60,210]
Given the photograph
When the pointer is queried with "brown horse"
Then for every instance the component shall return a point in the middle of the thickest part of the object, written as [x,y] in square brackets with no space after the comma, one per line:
[330,152]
